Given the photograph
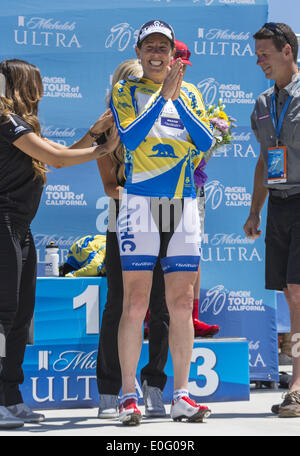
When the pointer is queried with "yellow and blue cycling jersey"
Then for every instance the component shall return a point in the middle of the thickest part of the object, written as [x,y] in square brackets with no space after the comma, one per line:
[164,141]
[87,256]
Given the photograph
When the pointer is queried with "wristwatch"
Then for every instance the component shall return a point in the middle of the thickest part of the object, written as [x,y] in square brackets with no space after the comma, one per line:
[93,135]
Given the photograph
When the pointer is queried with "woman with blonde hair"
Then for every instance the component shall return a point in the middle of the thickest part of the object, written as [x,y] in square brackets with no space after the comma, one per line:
[109,378]
[130,68]
[24,156]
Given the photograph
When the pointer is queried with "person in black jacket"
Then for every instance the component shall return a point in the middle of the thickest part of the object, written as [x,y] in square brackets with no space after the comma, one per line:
[24,155]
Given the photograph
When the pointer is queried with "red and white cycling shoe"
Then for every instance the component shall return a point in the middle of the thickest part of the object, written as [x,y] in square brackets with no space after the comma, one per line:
[186,408]
[129,414]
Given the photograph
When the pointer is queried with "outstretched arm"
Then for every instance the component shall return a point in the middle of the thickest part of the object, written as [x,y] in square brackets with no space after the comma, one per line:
[41,150]
[102,124]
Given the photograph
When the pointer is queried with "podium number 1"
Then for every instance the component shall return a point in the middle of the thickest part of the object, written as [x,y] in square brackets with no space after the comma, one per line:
[89,298]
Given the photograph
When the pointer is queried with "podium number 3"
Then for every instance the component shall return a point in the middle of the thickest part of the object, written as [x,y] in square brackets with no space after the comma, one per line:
[89,298]
[205,370]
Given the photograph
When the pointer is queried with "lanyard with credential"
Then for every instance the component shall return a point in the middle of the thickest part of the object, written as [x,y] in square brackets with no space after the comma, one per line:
[278,122]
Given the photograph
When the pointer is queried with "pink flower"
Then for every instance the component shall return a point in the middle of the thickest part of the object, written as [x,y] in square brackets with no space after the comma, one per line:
[221,124]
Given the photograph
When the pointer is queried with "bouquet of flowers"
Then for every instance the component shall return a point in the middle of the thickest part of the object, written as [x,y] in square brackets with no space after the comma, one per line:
[222,126]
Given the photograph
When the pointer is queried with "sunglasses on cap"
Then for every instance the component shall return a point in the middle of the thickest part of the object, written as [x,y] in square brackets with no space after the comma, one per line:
[273,27]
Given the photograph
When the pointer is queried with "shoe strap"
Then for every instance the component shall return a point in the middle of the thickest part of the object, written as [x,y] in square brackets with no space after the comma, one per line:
[128,402]
[190,401]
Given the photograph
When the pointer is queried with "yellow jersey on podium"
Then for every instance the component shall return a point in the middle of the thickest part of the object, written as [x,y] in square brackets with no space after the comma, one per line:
[164,141]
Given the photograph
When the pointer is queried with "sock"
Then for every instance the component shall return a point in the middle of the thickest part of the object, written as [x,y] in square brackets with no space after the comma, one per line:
[177,394]
[124,397]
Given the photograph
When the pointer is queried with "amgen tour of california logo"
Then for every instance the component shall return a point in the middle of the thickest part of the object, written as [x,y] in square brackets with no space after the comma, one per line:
[213,90]
[58,87]
[47,32]
[218,298]
[62,195]
[235,196]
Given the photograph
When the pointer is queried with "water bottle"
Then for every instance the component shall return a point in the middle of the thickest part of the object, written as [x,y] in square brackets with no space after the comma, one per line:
[51,260]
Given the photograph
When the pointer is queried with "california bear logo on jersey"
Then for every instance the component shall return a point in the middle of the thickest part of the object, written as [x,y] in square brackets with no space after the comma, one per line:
[163,150]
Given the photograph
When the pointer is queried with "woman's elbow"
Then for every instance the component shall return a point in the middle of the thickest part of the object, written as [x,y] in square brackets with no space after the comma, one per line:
[55,159]
[56,162]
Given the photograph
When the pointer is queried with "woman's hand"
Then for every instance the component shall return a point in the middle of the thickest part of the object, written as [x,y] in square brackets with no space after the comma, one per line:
[172,81]
[104,122]
[179,82]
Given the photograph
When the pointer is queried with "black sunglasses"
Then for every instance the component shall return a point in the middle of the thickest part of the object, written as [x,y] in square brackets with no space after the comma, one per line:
[276,30]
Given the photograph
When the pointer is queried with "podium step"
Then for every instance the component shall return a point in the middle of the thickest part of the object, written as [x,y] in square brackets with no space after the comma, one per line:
[60,366]
[64,375]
